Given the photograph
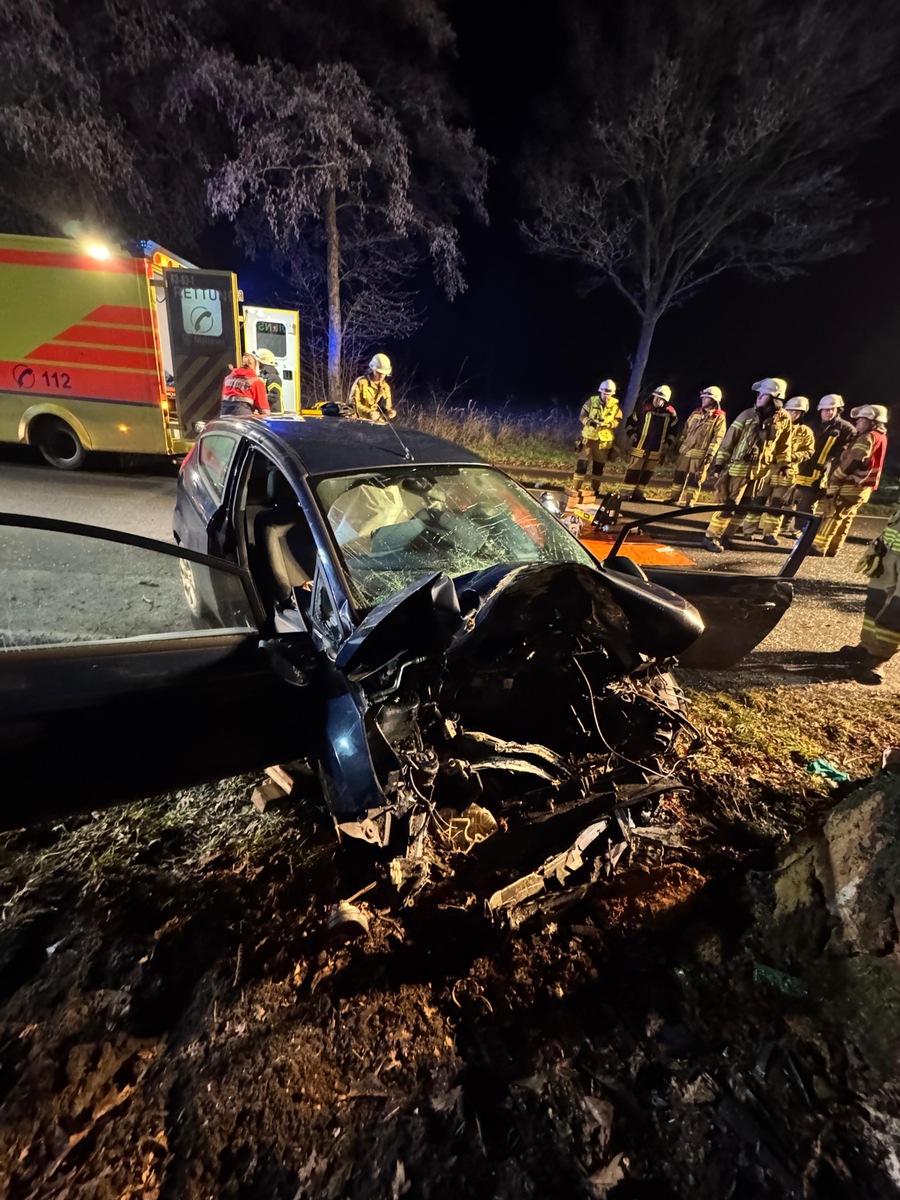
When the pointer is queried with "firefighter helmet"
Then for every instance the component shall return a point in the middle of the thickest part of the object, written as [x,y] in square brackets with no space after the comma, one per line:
[608,385]
[381,363]
[832,400]
[771,386]
[663,390]
[797,404]
[872,412]
[714,393]
[265,356]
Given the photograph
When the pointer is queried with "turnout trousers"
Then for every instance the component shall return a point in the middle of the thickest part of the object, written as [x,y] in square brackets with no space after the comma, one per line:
[838,513]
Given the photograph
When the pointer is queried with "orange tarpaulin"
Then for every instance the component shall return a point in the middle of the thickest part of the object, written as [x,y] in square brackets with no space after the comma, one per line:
[639,548]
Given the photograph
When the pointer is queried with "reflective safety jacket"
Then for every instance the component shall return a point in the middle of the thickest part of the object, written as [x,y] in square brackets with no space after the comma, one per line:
[652,431]
[371,401]
[271,377]
[753,443]
[830,440]
[599,419]
[860,466]
[245,386]
[702,433]
[802,446]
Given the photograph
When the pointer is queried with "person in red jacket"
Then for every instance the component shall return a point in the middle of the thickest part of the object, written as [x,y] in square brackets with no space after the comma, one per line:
[243,392]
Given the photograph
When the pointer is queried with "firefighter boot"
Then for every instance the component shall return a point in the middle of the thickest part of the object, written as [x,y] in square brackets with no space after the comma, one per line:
[632,479]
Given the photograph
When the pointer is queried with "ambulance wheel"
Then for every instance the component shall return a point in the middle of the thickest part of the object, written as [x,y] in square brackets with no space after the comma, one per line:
[58,443]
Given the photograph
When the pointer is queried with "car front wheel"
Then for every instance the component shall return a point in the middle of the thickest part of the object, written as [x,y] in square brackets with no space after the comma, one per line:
[197,606]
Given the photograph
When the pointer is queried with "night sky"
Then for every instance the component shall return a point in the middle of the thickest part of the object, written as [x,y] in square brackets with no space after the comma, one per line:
[527,335]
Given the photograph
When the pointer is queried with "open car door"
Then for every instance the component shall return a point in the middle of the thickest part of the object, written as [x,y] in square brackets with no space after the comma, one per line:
[112,689]
[739,610]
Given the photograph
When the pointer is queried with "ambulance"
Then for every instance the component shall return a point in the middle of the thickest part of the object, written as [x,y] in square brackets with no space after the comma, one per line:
[122,349]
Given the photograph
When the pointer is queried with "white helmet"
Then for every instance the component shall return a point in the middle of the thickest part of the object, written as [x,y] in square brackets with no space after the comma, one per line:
[381,363]
[663,390]
[715,393]
[872,412]
[832,400]
[797,404]
[608,385]
[771,386]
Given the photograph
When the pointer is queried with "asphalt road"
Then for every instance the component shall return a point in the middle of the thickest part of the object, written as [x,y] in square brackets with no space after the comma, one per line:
[135,502]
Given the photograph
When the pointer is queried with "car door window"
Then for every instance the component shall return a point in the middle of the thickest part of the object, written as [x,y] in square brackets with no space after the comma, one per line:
[60,586]
[279,544]
[215,453]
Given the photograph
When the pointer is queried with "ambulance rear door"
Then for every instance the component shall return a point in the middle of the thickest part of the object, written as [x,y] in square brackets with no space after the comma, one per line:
[278,330]
[202,318]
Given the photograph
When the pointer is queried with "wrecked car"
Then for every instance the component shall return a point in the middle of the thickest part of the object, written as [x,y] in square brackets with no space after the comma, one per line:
[382,604]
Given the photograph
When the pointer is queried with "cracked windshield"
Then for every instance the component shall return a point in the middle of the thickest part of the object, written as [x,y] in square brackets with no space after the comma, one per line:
[394,527]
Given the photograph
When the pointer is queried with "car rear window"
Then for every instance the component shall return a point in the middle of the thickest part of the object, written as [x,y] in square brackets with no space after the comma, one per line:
[215,454]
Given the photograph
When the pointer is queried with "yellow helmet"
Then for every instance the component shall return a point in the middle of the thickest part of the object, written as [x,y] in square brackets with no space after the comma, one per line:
[381,363]
[714,393]
[663,390]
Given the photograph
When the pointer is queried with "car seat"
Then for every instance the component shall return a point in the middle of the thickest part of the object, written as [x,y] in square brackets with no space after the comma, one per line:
[285,546]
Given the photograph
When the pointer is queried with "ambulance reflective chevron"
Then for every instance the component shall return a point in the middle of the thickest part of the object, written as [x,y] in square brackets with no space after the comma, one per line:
[102,349]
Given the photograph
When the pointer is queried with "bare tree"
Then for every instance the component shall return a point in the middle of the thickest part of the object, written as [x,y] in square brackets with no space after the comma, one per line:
[716,137]
[345,159]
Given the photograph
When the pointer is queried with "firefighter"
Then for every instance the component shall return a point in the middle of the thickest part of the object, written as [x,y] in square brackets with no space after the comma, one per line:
[370,396]
[651,433]
[832,435]
[853,480]
[600,416]
[758,437]
[700,438]
[879,640]
[243,392]
[778,486]
[271,377]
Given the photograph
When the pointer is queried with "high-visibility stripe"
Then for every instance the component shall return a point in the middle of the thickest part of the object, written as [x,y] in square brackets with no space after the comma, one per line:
[108,335]
[121,314]
[65,355]
[73,262]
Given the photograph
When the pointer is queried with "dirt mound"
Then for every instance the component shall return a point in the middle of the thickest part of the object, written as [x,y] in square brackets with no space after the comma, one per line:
[175,1022]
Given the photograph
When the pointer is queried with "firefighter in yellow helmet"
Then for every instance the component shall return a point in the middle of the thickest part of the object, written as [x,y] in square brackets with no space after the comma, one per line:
[700,438]
[853,480]
[879,640]
[370,397]
[777,488]
[651,432]
[271,377]
[757,438]
[600,416]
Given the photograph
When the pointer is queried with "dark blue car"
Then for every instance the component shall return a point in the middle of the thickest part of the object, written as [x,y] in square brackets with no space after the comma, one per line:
[379,603]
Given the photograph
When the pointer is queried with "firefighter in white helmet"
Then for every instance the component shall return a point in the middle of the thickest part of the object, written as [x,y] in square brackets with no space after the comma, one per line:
[757,438]
[831,437]
[652,434]
[600,416]
[777,487]
[370,397]
[853,480]
[699,441]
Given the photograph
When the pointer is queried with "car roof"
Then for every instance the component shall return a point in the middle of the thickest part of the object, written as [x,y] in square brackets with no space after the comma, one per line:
[330,445]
